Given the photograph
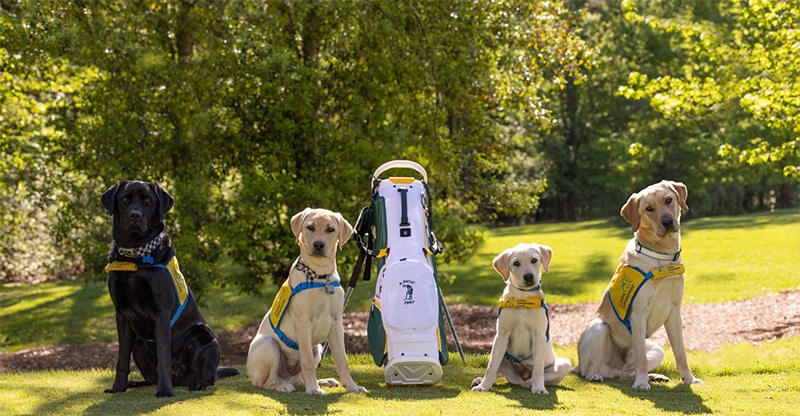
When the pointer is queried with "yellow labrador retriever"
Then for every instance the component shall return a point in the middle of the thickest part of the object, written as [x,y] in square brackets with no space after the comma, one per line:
[644,294]
[521,350]
[306,311]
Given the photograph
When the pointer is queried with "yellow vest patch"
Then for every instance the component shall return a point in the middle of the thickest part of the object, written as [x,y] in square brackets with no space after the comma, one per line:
[530,303]
[280,303]
[628,280]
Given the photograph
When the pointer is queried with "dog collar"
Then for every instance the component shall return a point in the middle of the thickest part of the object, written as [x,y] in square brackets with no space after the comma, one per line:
[533,289]
[657,255]
[310,274]
[142,251]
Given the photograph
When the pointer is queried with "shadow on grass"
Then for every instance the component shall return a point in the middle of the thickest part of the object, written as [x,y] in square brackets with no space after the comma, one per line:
[670,398]
[528,400]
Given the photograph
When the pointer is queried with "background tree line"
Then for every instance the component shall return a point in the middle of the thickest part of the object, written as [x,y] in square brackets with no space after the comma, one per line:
[248,111]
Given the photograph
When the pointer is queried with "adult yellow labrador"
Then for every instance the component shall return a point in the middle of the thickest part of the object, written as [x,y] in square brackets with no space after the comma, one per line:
[306,311]
[521,350]
[644,294]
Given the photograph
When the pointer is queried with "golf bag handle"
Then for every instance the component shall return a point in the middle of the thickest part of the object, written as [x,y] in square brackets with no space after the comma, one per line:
[401,164]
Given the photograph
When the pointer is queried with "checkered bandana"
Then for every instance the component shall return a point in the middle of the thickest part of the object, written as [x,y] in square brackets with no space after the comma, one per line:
[141,251]
[310,274]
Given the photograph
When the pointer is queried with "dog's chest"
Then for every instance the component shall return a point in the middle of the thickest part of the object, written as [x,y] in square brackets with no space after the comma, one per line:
[522,326]
[657,299]
[134,296]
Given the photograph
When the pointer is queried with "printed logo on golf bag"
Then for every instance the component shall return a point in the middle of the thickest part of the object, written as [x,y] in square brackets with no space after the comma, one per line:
[408,285]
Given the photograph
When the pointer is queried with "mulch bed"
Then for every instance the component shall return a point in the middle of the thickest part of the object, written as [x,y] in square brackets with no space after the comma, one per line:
[707,327]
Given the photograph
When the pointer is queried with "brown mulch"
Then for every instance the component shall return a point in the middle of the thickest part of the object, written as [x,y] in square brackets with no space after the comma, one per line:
[707,327]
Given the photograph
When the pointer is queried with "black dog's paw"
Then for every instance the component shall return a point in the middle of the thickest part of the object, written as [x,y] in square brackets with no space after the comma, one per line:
[113,390]
[165,393]
[197,387]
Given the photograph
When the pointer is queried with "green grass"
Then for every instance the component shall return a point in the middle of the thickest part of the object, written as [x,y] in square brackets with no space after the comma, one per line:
[727,258]
[738,380]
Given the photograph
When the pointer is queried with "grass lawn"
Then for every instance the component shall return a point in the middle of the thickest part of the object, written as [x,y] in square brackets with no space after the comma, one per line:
[727,258]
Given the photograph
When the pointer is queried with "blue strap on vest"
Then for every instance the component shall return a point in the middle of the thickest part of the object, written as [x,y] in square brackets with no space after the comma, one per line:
[299,288]
[181,305]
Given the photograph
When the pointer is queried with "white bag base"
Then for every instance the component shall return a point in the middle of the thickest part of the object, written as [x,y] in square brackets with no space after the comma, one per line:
[412,371]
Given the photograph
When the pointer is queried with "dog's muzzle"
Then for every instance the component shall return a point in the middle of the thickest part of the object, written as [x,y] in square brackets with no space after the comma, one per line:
[528,278]
[669,223]
[319,248]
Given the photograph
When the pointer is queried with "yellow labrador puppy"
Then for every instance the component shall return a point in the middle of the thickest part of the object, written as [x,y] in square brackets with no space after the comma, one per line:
[306,311]
[521,350]
[644,294]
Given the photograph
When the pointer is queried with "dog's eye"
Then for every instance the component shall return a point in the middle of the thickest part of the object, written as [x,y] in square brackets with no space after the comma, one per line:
[534,260]
[649,209]
[125,200]
[330,230]
[668,201]
[147,200]
[516,264]
[310,228]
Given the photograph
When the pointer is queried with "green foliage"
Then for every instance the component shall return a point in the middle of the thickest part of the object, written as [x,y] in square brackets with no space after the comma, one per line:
[248,112]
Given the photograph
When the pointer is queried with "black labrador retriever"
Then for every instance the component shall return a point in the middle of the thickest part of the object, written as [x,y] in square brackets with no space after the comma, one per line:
[158,321]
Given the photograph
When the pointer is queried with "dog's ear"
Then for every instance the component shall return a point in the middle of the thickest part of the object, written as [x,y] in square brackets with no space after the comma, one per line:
[630,211]
[500,263]
[680,189]
[165,200]
[345,230]
[297,222]
[109,198]
[547,255]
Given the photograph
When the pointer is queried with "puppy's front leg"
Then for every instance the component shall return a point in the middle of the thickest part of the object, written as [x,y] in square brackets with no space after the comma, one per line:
[642,379]
[537,376]
[336,344]
[308,364]
[499,348]
[674,329]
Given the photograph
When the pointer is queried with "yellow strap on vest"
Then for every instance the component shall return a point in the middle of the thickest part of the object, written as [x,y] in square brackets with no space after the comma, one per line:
[626,283]
[120,266]
[530,303]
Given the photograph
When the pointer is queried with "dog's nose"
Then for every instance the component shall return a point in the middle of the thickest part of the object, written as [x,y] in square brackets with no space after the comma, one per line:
[319,245]
[528,277]
[135,215]
[668,222]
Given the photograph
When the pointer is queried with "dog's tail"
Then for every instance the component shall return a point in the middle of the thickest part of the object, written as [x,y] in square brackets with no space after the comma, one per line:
[223,372]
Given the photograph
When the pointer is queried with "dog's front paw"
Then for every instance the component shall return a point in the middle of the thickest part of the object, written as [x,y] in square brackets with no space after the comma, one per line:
[165,393]
[597,378]
[539,390]
[197,387]
[285,387]
[641,385]
[113,390]
[691,380]
[315,391]
[476,381]
[658,378]
[355,388]
[328,382]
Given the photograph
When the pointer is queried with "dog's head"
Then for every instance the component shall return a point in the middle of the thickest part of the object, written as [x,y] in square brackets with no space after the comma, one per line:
[138,210]
[523,264]
[318,230]
[657,208]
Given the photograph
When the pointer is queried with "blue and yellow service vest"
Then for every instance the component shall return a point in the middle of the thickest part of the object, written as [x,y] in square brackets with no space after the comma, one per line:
[527,303]
[626,283]
[281,303]
[178,281]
